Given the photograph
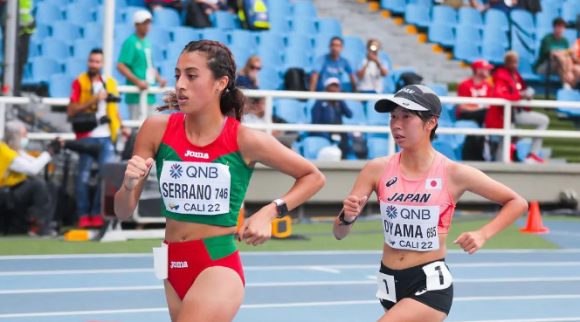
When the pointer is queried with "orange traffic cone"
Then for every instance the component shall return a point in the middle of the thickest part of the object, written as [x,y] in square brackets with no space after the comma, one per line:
[534,224]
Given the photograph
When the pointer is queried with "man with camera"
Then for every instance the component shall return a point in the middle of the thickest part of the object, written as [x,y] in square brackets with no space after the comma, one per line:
[95,119]
[372,70]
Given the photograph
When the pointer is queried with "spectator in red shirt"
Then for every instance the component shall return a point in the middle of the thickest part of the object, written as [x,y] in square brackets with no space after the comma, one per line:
[476,86]
[510,85]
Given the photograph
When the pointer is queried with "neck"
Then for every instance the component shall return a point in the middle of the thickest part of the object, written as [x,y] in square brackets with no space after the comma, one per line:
[478,80]
[419,159]
[95,77]
[200,125]
[140,35]
[334,57]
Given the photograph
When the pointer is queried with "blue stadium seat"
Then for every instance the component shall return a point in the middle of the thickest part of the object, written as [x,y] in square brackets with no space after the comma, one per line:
[73,67]
[271,39]
[445,148]
[47,13]
[216,35]
[280,26]
[323,40]
[493,52]
[83,47]
[269,78]
[300,40]
[495,35]
[417,15]
[245,38]
[570,10]
[122,32]
[439,89]
[312,145]
[271,57]
[305,9]
[468,34]
[167,71]
[290,110]
[55,49]
[136,3]
[166,18]
[544,19]
[570,96]
[241,55]
[497,19]
[96,3]
[158,54]
[466,51]
[172,54]
[99,15]
[42,68]
[93,31]
[296,57]
[65,31]
[42,31]
[378,147]
[77,14]
[394,6]
[358,114]
[463,124]
[57,3]
[376,118]
[444,15]
[279,9]
[329,26]
[355,43]
[388,84]
[159,36]
[524,19]
[523,45]
[224,20]
[60,85]
[468,16]
[183,35]
[526,71]
[571,34]
[304,25]
[441,34]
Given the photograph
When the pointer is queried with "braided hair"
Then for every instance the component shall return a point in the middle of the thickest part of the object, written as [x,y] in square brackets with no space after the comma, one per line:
[221,62]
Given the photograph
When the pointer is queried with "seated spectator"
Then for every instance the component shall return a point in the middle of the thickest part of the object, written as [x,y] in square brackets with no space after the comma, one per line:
[248,76]
[331,65]
[29,195]
[331,112]
[372,70]
[158,4]
[510,85]
[476,86]
[554,54]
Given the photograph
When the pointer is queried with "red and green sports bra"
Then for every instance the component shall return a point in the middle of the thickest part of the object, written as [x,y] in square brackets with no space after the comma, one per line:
[201,184]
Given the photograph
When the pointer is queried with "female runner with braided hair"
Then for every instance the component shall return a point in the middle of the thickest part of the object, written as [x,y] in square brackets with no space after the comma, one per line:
[204,160]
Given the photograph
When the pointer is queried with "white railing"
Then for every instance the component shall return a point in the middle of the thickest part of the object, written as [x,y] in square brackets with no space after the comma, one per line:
[507,132]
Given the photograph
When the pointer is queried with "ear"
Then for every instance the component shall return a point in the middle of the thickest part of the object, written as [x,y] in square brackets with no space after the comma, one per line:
[222,83]
[431,123]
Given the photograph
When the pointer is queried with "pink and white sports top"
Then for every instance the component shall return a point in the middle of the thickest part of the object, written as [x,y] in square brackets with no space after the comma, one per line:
[415,212]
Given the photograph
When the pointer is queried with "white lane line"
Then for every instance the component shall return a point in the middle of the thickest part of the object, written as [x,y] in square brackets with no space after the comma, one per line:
[287,253]
[326,268]
[308,304]
[370,280]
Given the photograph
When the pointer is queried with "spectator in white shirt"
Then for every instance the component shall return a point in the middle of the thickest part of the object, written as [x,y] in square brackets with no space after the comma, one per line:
[372,70]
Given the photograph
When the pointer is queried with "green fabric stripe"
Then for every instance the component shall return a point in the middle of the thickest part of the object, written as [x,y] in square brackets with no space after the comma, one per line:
[220,246]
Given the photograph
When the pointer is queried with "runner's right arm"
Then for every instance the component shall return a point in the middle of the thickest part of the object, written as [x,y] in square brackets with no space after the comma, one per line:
[364,186]
[146,145]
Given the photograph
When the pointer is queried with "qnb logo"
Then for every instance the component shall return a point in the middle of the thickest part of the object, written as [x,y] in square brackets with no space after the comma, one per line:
[179,265]
[176,171]
[391,212]
[199,155]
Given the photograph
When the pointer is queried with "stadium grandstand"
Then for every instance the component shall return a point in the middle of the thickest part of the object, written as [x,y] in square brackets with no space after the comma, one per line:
[507,73]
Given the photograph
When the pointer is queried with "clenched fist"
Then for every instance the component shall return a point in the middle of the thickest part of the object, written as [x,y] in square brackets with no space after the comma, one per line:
[137,169]
[353,206]
[471,241]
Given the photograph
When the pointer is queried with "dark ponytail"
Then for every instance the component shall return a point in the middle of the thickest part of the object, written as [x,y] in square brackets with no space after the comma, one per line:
[221,62]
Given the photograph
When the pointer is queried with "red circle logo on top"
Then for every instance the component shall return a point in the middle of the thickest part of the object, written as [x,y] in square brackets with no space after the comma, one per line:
[433,183]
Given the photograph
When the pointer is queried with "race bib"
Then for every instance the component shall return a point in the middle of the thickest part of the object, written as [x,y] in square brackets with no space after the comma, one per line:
[195,188]
[438,276]
[410,227]
[386,287]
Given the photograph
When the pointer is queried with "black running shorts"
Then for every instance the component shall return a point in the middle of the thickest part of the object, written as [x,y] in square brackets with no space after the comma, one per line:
[430,284]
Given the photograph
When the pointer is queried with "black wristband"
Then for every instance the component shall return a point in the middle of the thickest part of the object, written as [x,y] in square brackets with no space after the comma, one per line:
[344,222]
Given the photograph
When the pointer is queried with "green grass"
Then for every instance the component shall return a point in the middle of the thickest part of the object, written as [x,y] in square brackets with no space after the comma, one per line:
[366,235]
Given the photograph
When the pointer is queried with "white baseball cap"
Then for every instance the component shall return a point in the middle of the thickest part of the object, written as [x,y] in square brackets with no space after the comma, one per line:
[330,81]
[141,16]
